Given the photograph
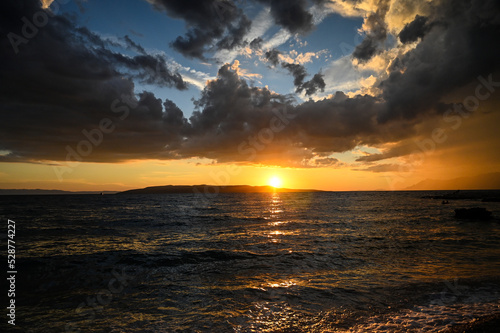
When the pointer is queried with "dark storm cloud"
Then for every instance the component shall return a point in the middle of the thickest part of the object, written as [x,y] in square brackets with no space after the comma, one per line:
[299,73]
[149,69]
[194,43]
[376,35]
[341,123]
[231,115]
[235,35]
[220,24]
[455,51]
[313,85]
[64,80]
[256,44]
[366,50]
[273,56]
[209,22]
[414,30]
[238,123]
[228,112]
[291,14]
[399,150]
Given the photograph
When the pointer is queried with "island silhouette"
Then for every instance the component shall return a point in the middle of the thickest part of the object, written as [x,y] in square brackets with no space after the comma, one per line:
[211,189]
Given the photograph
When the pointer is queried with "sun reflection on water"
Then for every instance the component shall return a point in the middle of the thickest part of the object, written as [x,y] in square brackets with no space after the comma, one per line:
[276,218]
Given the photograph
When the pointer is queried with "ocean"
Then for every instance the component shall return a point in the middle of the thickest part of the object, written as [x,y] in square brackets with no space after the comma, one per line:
[251,262]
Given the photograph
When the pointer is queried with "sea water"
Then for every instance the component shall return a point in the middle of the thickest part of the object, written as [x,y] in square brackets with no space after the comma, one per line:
[252,262]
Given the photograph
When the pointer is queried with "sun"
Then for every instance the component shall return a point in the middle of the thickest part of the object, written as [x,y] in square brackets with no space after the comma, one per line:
[275,181]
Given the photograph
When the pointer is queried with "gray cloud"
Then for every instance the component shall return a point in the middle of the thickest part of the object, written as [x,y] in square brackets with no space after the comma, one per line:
[298,71]
[378,168]
[151,69]
[453,53]
[273,56]
[211,21]
[313,85]
[256,43]
[291,14]
[414,30]
[65,80]
[219,24]
[231,113]
[376,35]
[299,74]
[235,35]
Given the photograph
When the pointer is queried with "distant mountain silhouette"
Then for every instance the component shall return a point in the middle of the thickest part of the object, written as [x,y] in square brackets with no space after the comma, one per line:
[489,181]
[210,189]
[48,192]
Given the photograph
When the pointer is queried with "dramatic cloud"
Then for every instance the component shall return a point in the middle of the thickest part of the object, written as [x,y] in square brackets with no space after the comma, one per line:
[376,30]
[256,44]
[414,30]
[59,87]
[299,73]
[151,69]
[210,22]
[453,53]
[416,89]
[291,14]
[312,86]
[273,56]
[64,81]
[216,25]
[235,122]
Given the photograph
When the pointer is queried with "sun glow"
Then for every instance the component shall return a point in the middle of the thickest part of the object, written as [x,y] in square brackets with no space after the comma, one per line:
[275,182]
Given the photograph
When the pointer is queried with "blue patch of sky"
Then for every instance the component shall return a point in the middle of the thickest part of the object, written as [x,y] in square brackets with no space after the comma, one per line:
[333,32]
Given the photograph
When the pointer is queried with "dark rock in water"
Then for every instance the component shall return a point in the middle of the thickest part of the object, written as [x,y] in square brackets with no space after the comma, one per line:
[473,213]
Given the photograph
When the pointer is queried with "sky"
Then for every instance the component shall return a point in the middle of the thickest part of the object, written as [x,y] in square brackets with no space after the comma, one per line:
[324,94]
